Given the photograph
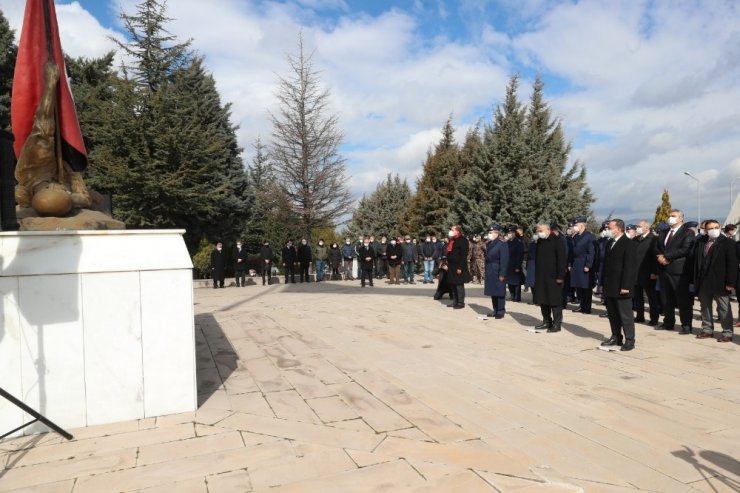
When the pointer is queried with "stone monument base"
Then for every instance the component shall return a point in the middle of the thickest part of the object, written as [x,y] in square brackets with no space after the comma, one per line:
[95,326]
[79,219]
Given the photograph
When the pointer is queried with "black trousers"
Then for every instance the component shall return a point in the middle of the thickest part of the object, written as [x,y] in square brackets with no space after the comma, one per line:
[515,290]
[585,296]
[552,315]
[653,300]
[366,274]
[290,271]
[218,280]
[266,271]
[458,293]
[304,271]
[674,293]
[240,275]
[620,317]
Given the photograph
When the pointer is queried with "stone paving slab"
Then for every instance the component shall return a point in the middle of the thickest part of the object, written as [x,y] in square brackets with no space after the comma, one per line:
[333,388]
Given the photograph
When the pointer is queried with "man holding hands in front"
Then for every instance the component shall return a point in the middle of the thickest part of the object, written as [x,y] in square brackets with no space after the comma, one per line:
[620,273]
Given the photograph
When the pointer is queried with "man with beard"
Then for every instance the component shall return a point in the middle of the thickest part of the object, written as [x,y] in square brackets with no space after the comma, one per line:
[551,263]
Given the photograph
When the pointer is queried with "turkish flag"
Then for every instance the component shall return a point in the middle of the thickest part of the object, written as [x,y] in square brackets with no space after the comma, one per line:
[37,37]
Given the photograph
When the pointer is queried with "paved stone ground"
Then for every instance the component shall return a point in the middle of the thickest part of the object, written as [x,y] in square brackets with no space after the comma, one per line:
[334,388]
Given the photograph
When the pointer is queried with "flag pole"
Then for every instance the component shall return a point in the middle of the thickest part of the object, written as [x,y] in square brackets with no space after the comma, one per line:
[57,130]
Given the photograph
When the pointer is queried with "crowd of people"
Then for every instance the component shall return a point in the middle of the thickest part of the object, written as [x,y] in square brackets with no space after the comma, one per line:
[667,266]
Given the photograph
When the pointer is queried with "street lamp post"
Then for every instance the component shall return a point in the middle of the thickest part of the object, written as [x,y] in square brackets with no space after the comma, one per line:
[698,194]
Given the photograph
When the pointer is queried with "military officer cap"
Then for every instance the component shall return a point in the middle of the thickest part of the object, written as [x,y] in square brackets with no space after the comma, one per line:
[692,224]
[662,226]
[511,229]
[580,219]
[494,227]
[554,226]
[631,227]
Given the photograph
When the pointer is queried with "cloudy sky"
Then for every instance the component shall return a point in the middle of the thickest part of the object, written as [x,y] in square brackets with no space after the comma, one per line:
[647,89]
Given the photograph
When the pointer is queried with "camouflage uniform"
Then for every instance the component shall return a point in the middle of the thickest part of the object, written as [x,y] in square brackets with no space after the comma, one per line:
[477,259]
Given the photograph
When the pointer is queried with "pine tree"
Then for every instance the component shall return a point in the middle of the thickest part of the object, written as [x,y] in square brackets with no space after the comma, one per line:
[429,207]
[663,210]
[163,144]
[471,205]
[262,185]
[8,52]
[381,212]
[305,148]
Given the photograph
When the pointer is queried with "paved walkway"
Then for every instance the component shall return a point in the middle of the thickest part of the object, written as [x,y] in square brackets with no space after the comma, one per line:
[333,388]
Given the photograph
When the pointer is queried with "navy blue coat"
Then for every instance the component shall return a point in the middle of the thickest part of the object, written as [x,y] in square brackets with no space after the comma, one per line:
[497,264]
[583,255]
[516,257]
[531,254]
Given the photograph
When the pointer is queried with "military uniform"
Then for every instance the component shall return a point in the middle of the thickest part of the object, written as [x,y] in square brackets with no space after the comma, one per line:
[477,259]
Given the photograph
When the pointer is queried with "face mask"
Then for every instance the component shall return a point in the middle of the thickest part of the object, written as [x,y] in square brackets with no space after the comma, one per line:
[672,221]
[393,242]
[713,233]
[382,241]
[267,244]
[510,236]
[640,231]
[408,241]
[541,235]
[238,245]
[303,242]
[451,234]
[492,236]
[218,248]
[347,242]
[366,244]
[569,231]
[603,234]
[429,240]
[535,237]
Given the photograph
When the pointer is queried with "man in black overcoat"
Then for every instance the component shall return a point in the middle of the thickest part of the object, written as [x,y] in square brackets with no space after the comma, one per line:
[218,266]
[304,259]
[715,276]
[240,263]
[551,261]
[620,273]
[289,257]
[457,266]
[366,256]
[673,252]
[647,267]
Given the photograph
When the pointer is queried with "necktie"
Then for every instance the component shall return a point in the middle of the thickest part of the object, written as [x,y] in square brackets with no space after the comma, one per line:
[670,237]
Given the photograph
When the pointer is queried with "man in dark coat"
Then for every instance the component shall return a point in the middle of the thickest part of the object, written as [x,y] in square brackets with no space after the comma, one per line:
[266,257]
[496,269]
[289,257]
[715,276]
[514,277]
[366,256]
[218,266]
[620,273]
[240,263]
[673,253]
[304,259]
[551,263]
[582,264]
[395,253]
[457,265]
[646,277]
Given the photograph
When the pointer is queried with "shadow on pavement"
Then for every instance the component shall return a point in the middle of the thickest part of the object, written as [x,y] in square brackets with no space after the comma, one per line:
[216,358]
[718,459]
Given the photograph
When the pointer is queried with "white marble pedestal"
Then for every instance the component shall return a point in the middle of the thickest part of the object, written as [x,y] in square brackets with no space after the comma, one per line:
[95,326]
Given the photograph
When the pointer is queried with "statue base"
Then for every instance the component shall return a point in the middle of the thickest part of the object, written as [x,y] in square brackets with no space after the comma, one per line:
[96,326]
[77,220]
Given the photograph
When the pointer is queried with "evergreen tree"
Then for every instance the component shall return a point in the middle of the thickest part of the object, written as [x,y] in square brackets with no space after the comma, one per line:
[471,205]
[663,210]
[429,207]
[8,52]
[163,144]
[262,184]
[381,212]
[305,148]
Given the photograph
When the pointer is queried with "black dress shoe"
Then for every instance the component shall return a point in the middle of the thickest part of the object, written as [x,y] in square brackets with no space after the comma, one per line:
[640,320]
[459,306]
[603,315]
[452,305]
[664,326]
[437,296]
[490,315]
[553,329]
[612,341]
[652,323]
[628,345]
[576,310]
[499,316]
[686,329]
[543,325]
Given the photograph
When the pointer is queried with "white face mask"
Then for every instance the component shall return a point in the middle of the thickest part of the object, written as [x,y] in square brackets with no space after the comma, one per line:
[347,242]
[535,237]
[367,244]
[609,233]
[303,242]
[451,233]
[393,242]
[714,233]
[640,231]
[428,240]
[218,248]
[321,243]
[672,220]
[510,235]
[541,235]
[604,234]
[492,236]
[238,245]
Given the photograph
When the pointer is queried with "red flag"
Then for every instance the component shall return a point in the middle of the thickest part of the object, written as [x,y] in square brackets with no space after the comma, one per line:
[37,38]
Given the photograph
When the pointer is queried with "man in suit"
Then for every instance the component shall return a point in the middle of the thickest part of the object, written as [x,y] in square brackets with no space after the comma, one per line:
[304,259]
[366,257]
[715,276]
[549,277]
[266,256]
[582,264]
[620,272]
[673,254]
[240,264]
[514,275]
[646,274]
